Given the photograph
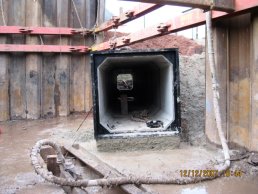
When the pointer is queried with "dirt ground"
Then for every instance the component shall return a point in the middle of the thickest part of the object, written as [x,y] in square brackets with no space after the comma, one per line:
[18,176]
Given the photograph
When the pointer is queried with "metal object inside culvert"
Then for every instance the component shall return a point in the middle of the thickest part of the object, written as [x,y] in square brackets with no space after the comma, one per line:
[154,124]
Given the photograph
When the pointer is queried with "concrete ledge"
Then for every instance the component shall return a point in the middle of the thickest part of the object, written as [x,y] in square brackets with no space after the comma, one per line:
[143,141]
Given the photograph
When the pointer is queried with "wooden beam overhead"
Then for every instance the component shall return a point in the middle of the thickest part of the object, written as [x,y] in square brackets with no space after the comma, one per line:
[220,5]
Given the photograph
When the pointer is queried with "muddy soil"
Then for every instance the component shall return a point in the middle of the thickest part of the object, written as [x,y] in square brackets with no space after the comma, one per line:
[187,47]
[192,89]
[17,174]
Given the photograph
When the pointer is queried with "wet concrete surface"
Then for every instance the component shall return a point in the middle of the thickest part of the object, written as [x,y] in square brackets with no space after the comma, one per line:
[18,176]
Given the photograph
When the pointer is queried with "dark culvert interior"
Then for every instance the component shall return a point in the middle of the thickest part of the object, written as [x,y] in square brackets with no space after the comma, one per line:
[133,90]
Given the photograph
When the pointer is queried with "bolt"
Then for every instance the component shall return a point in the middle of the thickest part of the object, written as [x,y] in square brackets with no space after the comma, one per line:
[25,30]
[73,31]
[126,40]
[115,20]
[163,27]
[112,44]
[129,14]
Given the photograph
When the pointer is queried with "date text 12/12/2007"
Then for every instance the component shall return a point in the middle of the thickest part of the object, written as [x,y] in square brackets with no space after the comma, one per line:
[209,173]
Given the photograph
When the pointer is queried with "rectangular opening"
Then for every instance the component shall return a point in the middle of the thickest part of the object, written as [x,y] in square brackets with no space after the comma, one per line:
[135,92]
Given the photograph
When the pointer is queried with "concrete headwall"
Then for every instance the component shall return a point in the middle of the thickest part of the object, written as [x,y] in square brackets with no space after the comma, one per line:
[45,85]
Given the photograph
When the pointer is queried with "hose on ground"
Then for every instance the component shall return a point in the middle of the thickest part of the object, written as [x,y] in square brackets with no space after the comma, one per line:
[140,180]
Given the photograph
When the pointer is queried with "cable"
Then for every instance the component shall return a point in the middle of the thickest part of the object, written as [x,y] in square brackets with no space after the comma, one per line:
[2,12]
[76,11]
[41,40]
[75,138]
[215,90]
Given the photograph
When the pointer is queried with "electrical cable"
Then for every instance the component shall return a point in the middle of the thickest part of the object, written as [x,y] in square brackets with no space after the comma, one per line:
[2,12]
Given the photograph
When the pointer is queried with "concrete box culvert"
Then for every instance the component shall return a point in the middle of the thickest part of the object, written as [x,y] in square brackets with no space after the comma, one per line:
[133,88]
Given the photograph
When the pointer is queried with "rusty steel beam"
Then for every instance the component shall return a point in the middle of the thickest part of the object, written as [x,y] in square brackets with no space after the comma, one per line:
[191,19]
[221,5]
[42,30]
[138,11]
[43,48]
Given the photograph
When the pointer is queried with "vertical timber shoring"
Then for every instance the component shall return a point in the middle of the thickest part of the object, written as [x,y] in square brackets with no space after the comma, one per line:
[77,73]
[220,35]
[239,80]
[254,78]
[90,22]
[63,62]
[4,74]
[33,62]
[49,95]
[16,17]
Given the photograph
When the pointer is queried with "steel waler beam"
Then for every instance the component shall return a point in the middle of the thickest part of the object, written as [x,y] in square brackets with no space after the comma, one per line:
[43,48]
[190,19]
[129,15]
[43,30]
[220,5]
[138,11]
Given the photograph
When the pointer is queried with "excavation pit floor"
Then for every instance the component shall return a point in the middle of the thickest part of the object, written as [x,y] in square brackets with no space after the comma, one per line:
[17,174]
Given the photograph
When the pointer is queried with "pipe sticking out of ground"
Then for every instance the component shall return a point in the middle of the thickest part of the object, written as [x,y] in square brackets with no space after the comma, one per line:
[141,180]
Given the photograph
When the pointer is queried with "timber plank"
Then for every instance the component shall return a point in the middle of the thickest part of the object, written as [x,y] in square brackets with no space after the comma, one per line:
[63,63]
[254,77]
[33,63]
[239,80]
[102,168]
[16,16]
[78,67]
[4,76]
[49,61]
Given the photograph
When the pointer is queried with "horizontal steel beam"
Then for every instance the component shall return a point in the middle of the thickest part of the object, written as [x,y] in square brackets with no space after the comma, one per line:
[42,30]
[129,15]
[221,5]
[43,48]
[190,19]
[138,11]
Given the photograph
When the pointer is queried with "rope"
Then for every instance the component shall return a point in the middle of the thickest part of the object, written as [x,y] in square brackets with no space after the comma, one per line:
[41,40]
[75,138]
[215,90]
[2,12]
[60,36]
[104,181]
[77,14]
[97,15]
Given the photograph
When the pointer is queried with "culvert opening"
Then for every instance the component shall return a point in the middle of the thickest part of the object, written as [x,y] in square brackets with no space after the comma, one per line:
[135,92]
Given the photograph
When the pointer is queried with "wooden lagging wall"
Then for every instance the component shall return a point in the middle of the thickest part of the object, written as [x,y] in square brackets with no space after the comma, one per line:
[45,85]
[236,49]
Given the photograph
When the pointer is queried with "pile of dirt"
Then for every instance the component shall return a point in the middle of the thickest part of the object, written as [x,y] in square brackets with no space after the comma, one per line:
[186,46]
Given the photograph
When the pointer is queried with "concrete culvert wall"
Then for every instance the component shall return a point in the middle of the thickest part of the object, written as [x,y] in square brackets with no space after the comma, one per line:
[153,91]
